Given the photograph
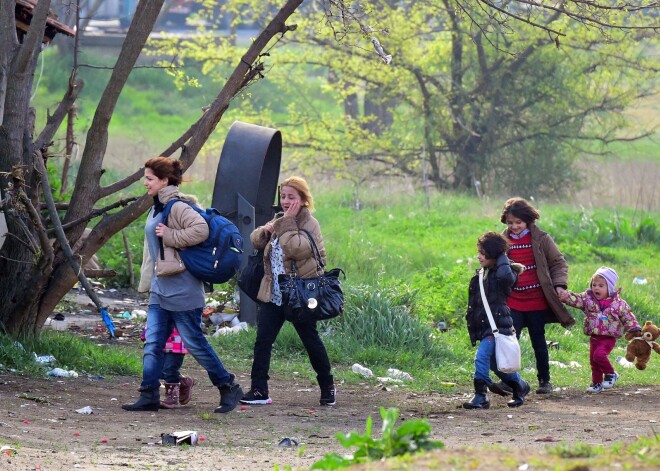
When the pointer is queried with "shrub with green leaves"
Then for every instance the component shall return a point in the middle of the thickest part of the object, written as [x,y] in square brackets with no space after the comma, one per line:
[410,437]
[442,294]
[378,328]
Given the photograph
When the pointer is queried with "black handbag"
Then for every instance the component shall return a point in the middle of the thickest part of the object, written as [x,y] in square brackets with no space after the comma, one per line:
[249,279]
[312,299]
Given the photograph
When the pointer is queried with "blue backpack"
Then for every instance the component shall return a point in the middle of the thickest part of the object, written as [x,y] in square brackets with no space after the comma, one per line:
[217,258]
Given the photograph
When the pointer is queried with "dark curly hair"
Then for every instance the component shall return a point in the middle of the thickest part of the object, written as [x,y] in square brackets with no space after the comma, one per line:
[521,209]
[492,244]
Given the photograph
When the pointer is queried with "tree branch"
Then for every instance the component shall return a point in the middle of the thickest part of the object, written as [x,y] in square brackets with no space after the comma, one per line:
[86,191]
[96,213]
[55,120]
[46,248]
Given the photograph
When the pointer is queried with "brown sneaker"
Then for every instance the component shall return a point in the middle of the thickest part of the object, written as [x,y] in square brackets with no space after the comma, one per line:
[171,400]
[185,391]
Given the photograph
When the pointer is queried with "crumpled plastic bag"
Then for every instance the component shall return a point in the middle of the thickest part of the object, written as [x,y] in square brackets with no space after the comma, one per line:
[61,373]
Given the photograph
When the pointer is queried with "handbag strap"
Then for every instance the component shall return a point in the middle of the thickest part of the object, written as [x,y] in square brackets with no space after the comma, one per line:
[493,327]
[320,266]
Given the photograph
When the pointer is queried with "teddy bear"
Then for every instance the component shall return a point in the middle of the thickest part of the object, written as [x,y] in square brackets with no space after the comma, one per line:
[641,343]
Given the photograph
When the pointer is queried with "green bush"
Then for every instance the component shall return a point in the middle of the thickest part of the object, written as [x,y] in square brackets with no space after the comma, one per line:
[378,328]
[413,436]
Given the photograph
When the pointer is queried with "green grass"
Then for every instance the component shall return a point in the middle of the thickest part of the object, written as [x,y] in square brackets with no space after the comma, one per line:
[642,453]
[71,353]
[407,268]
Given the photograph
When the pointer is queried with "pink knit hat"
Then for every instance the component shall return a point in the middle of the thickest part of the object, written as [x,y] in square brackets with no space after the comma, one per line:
[610,277]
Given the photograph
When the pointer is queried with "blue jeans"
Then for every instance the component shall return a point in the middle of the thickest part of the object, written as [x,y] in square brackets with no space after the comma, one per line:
[484,363]
[172,366]
[160,323]
[270,320]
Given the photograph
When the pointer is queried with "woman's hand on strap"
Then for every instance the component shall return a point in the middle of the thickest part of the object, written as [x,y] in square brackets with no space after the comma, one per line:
[161,229]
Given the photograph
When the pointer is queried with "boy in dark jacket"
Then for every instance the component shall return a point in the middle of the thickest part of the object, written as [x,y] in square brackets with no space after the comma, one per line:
[499,278]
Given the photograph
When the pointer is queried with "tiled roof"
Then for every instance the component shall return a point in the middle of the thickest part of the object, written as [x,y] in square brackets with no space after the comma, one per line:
[24,9]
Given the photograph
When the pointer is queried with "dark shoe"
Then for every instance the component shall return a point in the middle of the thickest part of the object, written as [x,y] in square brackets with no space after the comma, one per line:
[520,391]
[500,388]
[256,396]
[149,400]
[545,387]
[185,390]
[171,400]
[480,399]
[229,396]
[328,395]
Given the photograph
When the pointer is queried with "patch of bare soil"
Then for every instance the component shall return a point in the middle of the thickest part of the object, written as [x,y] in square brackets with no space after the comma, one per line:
[39,419]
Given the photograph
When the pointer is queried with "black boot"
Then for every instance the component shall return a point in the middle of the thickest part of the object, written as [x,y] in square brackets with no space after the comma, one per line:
[149,400]
[520,391]
[230,394]
[500,388]
[480,399]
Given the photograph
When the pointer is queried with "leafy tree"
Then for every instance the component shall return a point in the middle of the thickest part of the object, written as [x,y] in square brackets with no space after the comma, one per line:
[468,96]
[508,109]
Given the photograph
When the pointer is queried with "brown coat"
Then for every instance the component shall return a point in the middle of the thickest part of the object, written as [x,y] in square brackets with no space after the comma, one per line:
[187,228]
[552,270]
[295,245]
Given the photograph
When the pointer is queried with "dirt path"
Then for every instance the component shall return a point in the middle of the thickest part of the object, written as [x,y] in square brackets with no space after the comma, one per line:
[40,420]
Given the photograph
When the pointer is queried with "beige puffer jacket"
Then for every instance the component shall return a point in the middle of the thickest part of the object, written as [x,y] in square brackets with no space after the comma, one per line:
[187,228]
[295,245]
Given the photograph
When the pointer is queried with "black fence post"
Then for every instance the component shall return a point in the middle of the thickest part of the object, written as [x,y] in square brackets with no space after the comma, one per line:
[246,186]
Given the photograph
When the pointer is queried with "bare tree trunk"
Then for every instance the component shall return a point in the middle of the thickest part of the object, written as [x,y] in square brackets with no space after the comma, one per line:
[377,105]
[88,189]
[129,260]
[70,143]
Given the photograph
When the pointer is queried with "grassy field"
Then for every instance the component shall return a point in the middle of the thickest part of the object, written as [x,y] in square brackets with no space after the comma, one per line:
[408,265]
[407,255]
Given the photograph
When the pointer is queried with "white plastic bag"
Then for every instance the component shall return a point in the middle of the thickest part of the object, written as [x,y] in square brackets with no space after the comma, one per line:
[507,353]
[507,349]
[362,370]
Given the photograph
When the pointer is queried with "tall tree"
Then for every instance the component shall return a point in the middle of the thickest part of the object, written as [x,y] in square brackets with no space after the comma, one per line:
[34,273]
[508,109]
[474,91]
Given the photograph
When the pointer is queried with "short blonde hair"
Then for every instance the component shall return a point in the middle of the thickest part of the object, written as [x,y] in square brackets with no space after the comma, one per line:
[300,185]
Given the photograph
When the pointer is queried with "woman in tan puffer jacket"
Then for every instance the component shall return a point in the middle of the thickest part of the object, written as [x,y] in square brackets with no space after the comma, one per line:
[285,243]
[176,296]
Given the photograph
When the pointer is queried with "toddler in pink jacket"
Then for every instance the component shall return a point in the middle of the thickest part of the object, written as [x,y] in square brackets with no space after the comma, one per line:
[606,317]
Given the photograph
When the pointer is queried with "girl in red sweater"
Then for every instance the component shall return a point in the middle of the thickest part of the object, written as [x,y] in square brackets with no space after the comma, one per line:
[534,301]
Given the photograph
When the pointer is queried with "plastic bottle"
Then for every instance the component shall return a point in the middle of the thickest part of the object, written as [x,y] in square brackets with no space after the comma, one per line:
[361,370]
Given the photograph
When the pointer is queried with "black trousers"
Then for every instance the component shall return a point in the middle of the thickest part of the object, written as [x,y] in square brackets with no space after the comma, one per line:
[270,320]
[535,323]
